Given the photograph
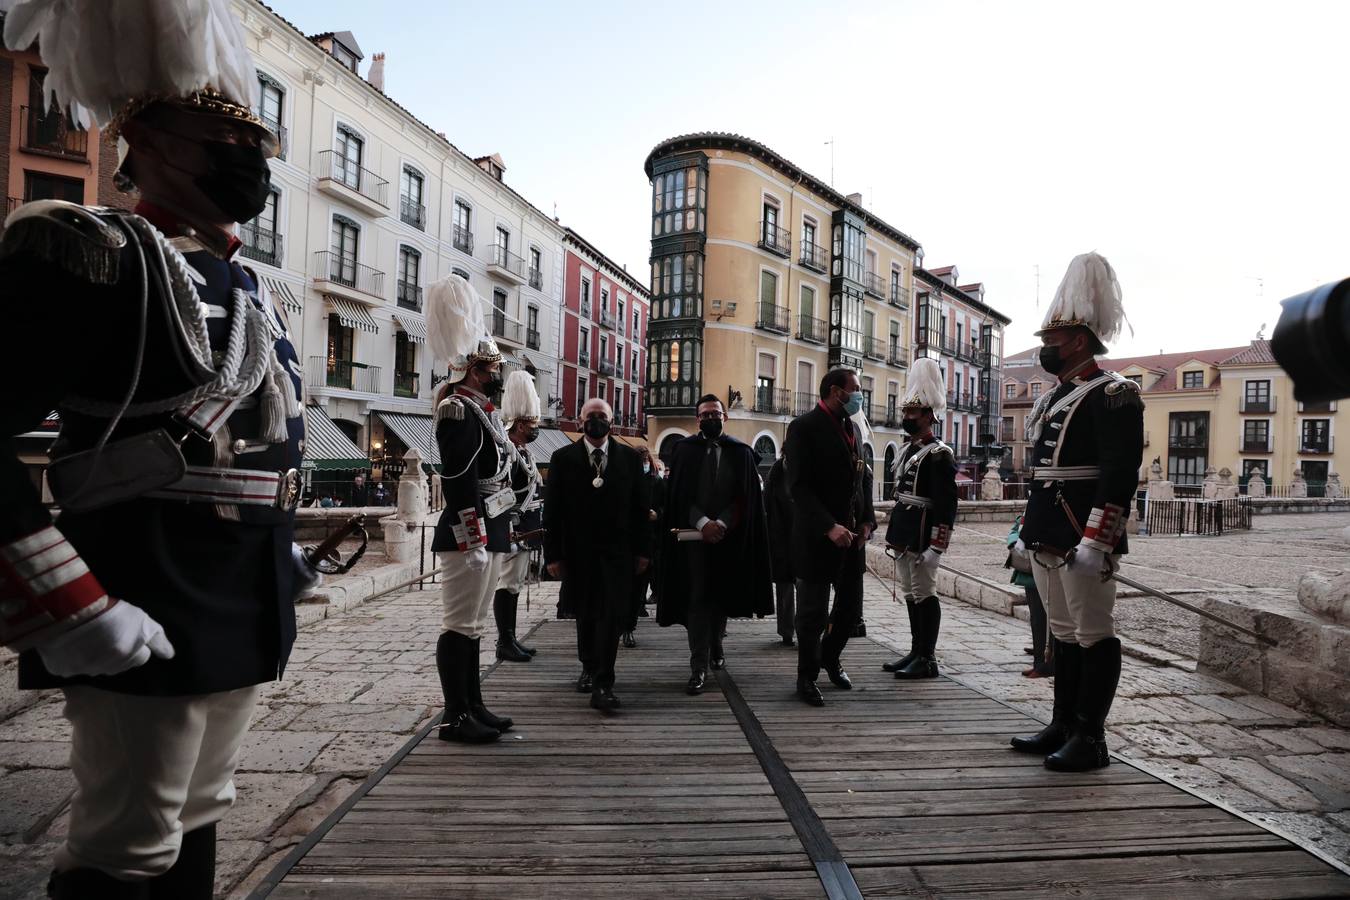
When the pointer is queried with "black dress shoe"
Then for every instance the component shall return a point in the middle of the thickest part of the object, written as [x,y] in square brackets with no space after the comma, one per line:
[808,692]
[899,663]
[1044,742]
[628,640]
[584,683]
[788,642]
[604,700]
[509,652]
[1082,753]
[919,667]
[838,677]
[697,682]
[718,662]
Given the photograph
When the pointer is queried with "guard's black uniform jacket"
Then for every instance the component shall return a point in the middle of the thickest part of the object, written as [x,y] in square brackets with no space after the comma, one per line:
[917,526]
[470,454]
[529,493]
[218,578]
[1095,420]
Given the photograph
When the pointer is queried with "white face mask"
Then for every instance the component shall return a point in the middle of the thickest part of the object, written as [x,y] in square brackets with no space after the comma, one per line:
[646,468]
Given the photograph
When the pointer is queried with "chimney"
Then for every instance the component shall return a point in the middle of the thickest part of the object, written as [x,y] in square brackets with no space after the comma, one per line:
[492,165]
[855,199]
[376,76]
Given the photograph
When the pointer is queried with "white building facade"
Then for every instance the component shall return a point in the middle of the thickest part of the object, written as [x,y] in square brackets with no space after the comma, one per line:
[370,205]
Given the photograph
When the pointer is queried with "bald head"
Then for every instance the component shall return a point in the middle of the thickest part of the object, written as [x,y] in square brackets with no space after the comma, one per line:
[596,405]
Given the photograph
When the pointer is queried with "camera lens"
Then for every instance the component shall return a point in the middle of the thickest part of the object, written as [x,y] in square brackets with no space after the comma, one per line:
[1312,342]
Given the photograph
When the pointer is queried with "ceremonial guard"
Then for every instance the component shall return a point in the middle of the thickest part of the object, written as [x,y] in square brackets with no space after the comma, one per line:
[163,595]
[921,522]
[1089,444]
[474,532]
[520,411]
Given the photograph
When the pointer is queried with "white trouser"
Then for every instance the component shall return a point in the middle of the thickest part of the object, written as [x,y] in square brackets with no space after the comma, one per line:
[918,582]
[147,770]
[515,570]
[1081,608]
[466,595]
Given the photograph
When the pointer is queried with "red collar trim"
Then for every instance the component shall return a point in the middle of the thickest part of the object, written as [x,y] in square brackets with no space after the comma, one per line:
[172,224]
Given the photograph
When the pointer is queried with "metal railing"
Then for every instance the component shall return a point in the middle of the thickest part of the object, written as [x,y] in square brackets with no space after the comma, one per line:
[339,269]
[893,415]
[775,401]
[1188,441]
[874,348]
[1201,517]
[532,338]
[812,329]
[813,256]
[772,318]
[412,212]
[607,319]
[343,373]
[1256,406]
[899,296]
[503,327]
[584,360]
[51,132]
[405,384]
[536,279]
[1316,447]
[897,356]
[505,259]
[874,284]
[283,137]
[803,402]
[261,244]
[606,367]
[586,309]
[410,295]
[774,239]
[462,239]
[347,172]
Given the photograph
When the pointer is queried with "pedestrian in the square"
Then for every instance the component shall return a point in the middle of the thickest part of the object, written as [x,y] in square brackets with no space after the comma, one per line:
[163,596]
[656,492]
[1089,444]
[778,509]
[723,573]
[360,495]
[596,539]
[832,521]
[925,511]
[520,412]
[473,533]
[1019,560]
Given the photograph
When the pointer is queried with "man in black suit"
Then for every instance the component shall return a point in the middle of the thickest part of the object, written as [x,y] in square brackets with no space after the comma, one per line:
[832,520]
[597,537]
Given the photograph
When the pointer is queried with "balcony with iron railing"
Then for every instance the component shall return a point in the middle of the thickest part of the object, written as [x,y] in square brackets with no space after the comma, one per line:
[536,279]
[774,239]
[813,257]
[874,284]
[584,360]
[342,374]
[51,133]
[811,329]
[532,338]
[873,348]
[1254,445]
[1256,407]
[772,318]
[774,401]
[893,413]
[412,212]
[606,367]
[899,296]
[803,402]
[1315,447]
[345,277]
[504,326]
[259,244]
[283,137]
[506,265]
[405,384]
[586,310]
[347,180]
[897,356]
[1188,441]
[410,295]
[607,319]
[462,239]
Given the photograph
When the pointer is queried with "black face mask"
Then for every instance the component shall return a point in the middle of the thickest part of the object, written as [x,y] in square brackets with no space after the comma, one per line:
[711,428]
[911,426]
[531,435]
[1050,360]
[596,428]
[493,385]
[237,179]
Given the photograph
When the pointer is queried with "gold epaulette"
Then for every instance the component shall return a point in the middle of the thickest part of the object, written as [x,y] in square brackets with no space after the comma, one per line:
[75,238]
[451,408]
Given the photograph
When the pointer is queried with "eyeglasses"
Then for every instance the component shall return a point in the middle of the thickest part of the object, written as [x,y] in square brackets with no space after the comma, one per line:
[711,414]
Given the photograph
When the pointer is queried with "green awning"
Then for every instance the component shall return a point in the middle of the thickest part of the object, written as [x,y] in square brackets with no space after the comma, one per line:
[326,447]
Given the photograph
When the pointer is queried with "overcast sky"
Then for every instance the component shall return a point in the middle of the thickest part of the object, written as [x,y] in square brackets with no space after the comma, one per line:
[1201,147]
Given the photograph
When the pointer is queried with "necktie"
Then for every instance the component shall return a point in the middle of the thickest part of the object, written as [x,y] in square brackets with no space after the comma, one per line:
[598,459]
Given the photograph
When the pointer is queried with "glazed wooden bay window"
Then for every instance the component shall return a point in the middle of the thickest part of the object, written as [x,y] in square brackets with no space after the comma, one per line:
[677,282]
[675,372]
[679,201]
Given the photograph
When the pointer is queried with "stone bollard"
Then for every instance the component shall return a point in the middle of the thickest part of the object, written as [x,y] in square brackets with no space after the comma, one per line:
[1297,486]
[1210,489]
[1334,489]
[991,487]
[1227,489]
[400,529]
[1256,484]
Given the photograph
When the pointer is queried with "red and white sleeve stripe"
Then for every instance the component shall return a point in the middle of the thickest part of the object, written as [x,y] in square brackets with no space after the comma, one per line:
[470,531]
[1105,525]
[941,537]
[45,589]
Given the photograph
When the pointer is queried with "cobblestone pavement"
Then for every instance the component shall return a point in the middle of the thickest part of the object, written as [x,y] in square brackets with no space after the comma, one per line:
[360,684]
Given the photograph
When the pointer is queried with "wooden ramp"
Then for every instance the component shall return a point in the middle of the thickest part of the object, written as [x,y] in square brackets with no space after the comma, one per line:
[891,790]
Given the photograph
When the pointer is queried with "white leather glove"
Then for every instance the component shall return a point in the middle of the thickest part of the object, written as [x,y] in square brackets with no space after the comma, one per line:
[121,638]
[476,559]
[930,558]
[307,580]
[1088,562]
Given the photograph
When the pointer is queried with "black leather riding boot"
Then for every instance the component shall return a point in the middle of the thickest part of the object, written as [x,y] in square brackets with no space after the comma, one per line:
[924,664]
[1087,749]
[473,680]
[193,875]
[457,723]
[912,609]
[91,884]
[1068,677]
[504,611]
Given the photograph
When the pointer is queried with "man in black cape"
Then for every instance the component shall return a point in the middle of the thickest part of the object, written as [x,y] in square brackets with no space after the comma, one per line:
[715,491]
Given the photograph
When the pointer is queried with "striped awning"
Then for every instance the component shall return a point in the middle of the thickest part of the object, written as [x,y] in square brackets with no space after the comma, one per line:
[282,292]
[326,447]
[352,314]
[549,441]
[414,431]
[415,326]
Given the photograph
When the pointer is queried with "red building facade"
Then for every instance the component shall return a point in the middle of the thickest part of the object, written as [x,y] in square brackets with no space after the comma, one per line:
[604,338]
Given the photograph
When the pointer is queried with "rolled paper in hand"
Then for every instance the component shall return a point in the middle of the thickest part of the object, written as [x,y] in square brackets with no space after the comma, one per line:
[687,534]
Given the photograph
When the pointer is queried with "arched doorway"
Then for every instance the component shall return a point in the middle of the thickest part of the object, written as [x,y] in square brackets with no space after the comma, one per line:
[667,449]
[888,476]
[868,472]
